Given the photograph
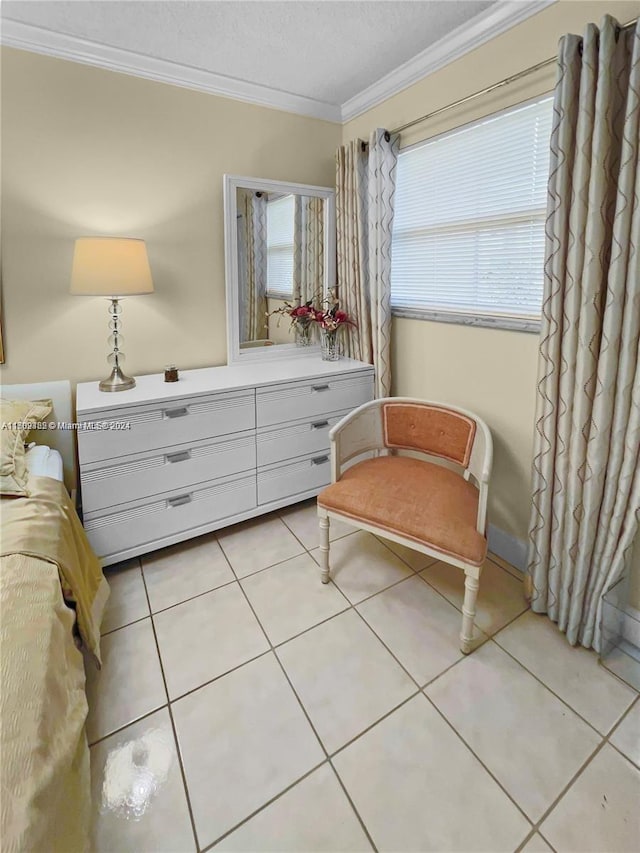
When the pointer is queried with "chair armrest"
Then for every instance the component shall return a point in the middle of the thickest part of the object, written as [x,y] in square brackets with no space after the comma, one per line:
[359,432]
[479,468]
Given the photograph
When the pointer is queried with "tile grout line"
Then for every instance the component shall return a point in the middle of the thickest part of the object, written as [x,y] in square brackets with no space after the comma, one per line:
[564,701]
[491,556]
[220,675]
[126,725]
[353,806]
[171,719]
[459,609]
[126,625]
[304,711]
[569,785]
[604,742]
[478,759]
[257,571]
[263,807]
[604,739]
[546,840]
[169,607]
[488,634]
[386,647]
[529,838]
[386,544]
[293,533]
[374,724]
[489,637]
[615,728]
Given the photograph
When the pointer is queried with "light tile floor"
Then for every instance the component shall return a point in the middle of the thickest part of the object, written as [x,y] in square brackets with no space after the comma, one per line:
[243,706]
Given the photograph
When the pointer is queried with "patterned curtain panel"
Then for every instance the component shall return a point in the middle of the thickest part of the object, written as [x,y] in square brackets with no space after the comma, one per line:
[586,468]
[252,264]
[308,248]
[365,188]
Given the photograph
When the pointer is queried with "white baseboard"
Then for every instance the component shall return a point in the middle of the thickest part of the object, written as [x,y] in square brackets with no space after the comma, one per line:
[507,546]
[631,626]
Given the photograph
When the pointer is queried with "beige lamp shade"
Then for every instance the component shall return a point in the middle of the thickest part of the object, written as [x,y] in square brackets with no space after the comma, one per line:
[110,266]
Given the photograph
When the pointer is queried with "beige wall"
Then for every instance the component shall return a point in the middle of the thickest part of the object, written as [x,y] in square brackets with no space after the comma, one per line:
[88,151]
[491,372]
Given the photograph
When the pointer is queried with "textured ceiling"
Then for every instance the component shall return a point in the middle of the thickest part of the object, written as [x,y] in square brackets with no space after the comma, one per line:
[329,51]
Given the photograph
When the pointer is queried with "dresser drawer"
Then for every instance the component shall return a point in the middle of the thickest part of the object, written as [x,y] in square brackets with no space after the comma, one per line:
[140,524]
[301,438]
[166,424]
[294,478]
[122,480]
[293,401]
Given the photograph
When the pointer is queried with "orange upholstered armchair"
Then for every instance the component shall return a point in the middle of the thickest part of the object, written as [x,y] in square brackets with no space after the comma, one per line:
[437,509]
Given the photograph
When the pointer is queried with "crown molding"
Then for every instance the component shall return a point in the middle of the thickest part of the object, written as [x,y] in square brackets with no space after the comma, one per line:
[465,38]
[496,20]
[40,40]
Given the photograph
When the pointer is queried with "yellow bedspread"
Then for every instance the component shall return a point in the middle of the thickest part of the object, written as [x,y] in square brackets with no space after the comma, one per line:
[46,525]
[44,759]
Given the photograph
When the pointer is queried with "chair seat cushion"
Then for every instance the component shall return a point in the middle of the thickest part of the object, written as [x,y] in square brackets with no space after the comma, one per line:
[426,503]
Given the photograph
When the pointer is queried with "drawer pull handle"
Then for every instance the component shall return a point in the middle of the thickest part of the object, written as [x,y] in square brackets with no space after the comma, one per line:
[319,424]
[179,500]
[176,413]
[319,460]
[182,456]
[319,387]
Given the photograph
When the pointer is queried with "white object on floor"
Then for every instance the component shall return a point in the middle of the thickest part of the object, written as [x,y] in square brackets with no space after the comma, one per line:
[135,771]
[43,461]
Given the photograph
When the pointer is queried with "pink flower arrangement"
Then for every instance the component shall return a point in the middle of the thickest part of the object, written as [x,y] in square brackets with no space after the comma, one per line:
[331,319]
[301,315]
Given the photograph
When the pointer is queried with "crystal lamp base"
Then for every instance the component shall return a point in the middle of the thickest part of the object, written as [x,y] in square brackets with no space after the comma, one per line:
[118,381]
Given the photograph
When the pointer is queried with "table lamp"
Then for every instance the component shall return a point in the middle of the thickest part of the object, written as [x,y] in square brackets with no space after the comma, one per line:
[112,267]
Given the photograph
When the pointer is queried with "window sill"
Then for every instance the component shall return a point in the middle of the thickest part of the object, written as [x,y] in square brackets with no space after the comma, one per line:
[283,297]
[514,324]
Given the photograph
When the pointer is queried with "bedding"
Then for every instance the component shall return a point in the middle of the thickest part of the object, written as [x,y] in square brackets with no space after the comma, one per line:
[44,559]
[13,469]
[43,461]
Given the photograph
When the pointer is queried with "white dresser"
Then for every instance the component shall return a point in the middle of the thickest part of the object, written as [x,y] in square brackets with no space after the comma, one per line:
[167,461]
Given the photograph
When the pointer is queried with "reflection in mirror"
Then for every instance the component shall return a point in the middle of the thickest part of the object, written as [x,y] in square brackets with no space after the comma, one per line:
[280,244]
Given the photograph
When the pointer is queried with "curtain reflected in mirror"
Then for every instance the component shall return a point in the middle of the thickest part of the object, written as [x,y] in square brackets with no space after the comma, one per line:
[280,239]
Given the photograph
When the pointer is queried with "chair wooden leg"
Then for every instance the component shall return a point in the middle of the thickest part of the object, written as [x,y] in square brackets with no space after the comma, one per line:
[324,548]
[471,586]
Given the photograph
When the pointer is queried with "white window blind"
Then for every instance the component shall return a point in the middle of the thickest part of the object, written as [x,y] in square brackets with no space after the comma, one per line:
[280,247]
[470,207]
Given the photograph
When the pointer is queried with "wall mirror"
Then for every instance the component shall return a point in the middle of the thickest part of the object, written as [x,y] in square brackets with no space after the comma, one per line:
[279,247]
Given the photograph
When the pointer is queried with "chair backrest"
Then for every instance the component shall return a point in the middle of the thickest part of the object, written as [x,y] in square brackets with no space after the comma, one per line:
[430,428]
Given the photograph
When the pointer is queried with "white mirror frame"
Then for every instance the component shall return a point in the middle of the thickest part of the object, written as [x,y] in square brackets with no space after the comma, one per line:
[235,355]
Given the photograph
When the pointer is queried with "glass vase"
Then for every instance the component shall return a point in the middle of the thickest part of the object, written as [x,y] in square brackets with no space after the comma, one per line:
[303,334]
[330,344]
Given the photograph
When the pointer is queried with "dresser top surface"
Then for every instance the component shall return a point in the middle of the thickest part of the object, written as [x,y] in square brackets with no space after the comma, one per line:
[208,380]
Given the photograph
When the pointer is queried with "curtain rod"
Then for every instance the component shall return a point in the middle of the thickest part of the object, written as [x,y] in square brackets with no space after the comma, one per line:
[491,88]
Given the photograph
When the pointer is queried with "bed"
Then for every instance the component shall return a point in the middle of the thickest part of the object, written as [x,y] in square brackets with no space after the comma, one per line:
[52,595]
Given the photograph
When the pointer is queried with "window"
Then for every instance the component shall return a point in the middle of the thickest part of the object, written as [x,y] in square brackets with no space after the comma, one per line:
[468,233]
[280,247]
